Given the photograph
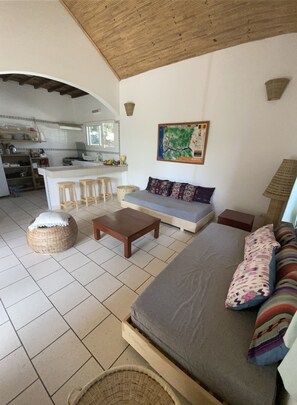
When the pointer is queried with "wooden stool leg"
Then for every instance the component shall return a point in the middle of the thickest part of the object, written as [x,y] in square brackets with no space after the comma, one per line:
[104,190]
[75,197]
[110,186]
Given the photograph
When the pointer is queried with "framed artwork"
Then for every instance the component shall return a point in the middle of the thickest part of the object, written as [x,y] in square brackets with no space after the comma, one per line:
[183,142]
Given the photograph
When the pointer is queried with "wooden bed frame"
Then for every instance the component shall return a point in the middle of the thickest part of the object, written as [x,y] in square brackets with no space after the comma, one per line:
[182,382]
[170,219]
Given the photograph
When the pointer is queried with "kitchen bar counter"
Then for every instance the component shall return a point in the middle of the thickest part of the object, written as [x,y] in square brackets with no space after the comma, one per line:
[54,175]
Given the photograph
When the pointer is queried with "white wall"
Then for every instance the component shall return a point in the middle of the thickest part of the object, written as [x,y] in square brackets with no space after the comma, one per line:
[248,137]
[40,37]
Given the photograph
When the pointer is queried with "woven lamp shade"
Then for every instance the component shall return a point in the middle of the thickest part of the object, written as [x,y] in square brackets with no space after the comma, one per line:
[282,182]
[275,88]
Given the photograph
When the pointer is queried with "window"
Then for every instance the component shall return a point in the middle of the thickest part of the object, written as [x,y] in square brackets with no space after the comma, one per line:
[104,135]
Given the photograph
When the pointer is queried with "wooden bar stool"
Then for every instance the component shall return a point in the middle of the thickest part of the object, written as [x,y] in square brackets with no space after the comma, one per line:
[63,187]
[88,191]
[105,188]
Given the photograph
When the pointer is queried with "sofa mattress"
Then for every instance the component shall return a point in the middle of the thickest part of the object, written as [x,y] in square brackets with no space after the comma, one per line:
[182,312]
[190,211]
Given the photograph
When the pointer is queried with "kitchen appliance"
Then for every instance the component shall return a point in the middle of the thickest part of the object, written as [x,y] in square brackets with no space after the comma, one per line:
[3,183]
[67,161]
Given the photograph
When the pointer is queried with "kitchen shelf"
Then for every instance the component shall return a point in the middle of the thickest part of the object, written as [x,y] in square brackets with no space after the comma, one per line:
[19,178]
[15,167]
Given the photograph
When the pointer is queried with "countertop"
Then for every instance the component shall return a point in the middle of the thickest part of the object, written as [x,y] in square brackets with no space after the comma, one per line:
[75,171]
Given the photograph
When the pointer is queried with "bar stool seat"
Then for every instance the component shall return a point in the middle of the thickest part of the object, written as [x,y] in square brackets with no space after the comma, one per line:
[105,188]
[63,187]
[88,191]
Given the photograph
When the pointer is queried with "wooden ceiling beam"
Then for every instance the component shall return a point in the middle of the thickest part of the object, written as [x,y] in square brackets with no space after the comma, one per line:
[56,87]
[7,77]
[42,83]
[26,80]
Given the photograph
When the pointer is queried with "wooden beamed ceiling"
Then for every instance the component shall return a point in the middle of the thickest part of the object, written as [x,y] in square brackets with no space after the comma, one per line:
[135,36]
[44,83]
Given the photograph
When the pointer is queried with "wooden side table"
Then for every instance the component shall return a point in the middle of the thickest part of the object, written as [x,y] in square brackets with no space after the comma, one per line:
[236,219]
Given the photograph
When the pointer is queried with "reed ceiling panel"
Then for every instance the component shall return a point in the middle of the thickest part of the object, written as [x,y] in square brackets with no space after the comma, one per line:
[135,36]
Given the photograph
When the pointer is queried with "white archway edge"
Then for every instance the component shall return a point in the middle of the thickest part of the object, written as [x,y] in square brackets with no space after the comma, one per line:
[41,38]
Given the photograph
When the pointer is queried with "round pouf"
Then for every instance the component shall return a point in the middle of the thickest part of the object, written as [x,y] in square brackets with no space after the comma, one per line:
[133,385]
[123,190]
[54,239]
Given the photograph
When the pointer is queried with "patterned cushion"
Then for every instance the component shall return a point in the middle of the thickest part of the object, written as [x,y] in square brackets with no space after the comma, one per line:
[203,194]
[164,187]
[284,233]
[273,319]
[253,281]
[257,240]
[286,260]
[189,192]
[177,191]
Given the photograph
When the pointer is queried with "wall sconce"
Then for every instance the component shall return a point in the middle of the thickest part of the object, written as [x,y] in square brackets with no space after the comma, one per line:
[129,108]
[275,88]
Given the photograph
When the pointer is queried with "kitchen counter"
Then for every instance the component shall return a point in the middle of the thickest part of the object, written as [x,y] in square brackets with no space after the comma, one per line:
[91,170]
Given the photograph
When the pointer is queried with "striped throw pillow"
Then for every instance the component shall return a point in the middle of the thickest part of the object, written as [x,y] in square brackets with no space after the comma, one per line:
[272,322]
[286,260]
[285,233]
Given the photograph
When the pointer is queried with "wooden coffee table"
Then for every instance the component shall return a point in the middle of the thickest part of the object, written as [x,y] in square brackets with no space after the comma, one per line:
[126,225]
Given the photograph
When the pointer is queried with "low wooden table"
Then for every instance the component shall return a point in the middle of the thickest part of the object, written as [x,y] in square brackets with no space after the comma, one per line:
[237,220]
[126,225]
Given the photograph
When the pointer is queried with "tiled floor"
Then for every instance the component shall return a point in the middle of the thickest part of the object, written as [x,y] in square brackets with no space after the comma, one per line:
[60,314]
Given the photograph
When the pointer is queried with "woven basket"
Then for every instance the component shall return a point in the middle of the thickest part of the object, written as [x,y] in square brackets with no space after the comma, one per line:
[275,88]
[123,190]
[133,385]
[54,239]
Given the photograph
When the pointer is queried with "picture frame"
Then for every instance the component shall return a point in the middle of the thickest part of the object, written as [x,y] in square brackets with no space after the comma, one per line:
[183,142]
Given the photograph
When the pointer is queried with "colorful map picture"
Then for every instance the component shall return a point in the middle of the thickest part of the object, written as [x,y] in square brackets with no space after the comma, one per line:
[183,142]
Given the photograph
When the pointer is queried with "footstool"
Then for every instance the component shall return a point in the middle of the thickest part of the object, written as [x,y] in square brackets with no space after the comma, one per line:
[52,239]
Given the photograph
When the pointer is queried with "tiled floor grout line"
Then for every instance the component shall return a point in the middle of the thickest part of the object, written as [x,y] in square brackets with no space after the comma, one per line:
[39,316]
[37,379]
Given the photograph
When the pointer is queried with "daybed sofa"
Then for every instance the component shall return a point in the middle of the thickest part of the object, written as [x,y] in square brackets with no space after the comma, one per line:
[173,204]
[181,326]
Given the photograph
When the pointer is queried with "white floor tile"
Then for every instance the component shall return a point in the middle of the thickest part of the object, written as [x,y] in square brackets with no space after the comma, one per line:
[133,277]
[83,376]
[68,297]
[33,395]
[130,356]
[16,374]
[109,242]
[145,244]
[12,275]
[165,240]
[5,251]
[88,247]
[13,234]
[8,340]
[65,356]
[178,246]
[87,273]
[162,252]
[120,302]
[33,258]
[28,309]
[3,314]
[182,236]
[106,342]
[55,281]
[7,227]
[74,261]
[86,316]
[41,332]
[18,291]
[144,285]
[116,265]
[17,242]
[155,267]
[167,229]
[44,268]
[23,250]
[104,286]
[141,258]
[171,258]
[62,255]
[120,249]
[102,255]
[7,262]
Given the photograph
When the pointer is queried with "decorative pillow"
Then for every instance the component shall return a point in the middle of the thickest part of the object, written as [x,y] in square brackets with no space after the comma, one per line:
[286,260]
[253,281]
[189,192]
[164,188]
[257,240]
[152,185]
[284,233]
[273,319]
[148,187]
[203,194]
[49,219]
[177,191]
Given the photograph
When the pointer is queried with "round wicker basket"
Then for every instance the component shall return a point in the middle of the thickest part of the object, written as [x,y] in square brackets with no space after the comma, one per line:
[123,190]
[133,385]
[54,239]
